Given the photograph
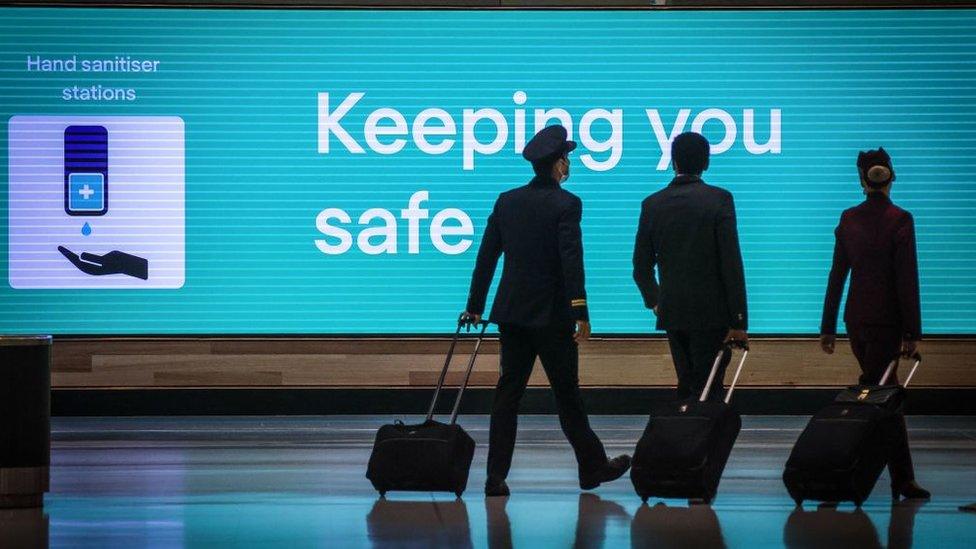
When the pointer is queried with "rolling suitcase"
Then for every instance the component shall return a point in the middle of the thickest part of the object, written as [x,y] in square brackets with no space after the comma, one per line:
[686,444]
[841,452]
[429,456]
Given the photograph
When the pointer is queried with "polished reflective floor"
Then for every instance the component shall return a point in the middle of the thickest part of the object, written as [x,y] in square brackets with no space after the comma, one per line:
[298,482]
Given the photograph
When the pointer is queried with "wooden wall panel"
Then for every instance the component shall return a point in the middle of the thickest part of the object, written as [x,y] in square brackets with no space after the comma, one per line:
[304,362]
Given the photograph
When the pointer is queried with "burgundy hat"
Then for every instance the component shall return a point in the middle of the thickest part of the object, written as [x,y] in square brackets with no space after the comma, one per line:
[875,168]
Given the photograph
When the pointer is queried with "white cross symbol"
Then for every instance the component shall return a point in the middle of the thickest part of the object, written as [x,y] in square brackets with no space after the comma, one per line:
[86,192]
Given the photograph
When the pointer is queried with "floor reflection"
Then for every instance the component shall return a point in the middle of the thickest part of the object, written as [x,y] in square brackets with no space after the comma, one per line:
[829,527]
[677,527]
[419,524]
[901,528]
[298,482]
[24,528]
[591,520]
[592,516]
[499,527]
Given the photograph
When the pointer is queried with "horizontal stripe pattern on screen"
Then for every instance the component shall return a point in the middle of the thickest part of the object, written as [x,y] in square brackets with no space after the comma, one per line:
[246,85]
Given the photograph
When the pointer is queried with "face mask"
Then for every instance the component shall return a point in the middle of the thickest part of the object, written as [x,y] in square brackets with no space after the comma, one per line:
[565,175]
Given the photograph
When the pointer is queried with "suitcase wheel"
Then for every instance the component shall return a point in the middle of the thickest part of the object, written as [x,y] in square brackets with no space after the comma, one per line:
[799,502]
[458,494]
[383,494]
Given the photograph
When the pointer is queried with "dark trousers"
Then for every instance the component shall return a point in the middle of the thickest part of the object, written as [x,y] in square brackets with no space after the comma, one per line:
[875,347]
[694,352]
[558,352]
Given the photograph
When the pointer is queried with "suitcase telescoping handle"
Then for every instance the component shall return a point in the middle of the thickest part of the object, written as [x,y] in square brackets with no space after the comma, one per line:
[462,322]
[729,345]
[916,356]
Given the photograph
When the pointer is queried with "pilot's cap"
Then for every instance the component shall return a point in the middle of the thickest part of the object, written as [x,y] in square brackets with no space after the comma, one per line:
[550,142]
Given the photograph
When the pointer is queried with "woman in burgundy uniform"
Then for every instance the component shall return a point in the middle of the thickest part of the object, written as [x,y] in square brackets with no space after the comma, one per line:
[875,243]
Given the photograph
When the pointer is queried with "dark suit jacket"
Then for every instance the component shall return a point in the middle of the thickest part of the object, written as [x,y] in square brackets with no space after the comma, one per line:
[537,227]
[875,242]
[688,231]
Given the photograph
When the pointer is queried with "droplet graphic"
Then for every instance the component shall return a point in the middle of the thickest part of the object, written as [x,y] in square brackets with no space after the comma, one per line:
[86,229]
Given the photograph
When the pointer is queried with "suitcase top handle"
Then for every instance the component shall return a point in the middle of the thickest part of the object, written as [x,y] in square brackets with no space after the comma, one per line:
[463,322]
[729,345]
[916,356]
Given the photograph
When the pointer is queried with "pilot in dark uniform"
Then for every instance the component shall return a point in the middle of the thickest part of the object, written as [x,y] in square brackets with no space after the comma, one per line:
[688,231]
[875,243]
[540,308]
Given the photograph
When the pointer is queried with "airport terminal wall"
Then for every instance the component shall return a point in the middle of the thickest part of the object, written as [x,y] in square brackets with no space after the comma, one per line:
[292,351]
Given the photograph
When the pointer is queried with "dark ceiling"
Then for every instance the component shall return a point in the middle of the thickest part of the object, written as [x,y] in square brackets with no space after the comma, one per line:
[659,4]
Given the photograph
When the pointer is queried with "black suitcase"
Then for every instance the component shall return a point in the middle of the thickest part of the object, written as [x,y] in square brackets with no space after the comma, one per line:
[429,456]
[686,444]
[841,453]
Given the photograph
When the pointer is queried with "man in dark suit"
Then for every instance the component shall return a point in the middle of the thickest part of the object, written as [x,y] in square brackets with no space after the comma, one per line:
[875,243]
[688,231]
[540,308]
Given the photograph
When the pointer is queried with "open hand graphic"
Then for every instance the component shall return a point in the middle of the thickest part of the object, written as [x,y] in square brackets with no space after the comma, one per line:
[114,262]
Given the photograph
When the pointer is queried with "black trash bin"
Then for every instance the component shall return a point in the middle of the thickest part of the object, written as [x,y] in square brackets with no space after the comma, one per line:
[25,420]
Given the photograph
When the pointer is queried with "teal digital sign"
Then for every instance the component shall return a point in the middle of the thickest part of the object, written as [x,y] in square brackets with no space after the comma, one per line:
[330,172]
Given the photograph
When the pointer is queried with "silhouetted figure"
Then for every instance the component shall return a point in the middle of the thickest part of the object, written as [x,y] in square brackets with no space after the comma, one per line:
[875,243]
[687,230]
[664,527]
[540,308]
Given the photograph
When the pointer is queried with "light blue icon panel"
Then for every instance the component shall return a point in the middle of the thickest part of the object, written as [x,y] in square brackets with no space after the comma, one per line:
[86,192]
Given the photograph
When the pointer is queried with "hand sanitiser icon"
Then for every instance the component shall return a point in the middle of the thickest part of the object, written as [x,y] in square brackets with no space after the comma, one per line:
[85,170]
[74,225]
[86,193]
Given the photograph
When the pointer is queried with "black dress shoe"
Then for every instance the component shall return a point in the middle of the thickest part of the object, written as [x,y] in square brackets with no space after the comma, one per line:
[909,490]
[611,470]
[495,488]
